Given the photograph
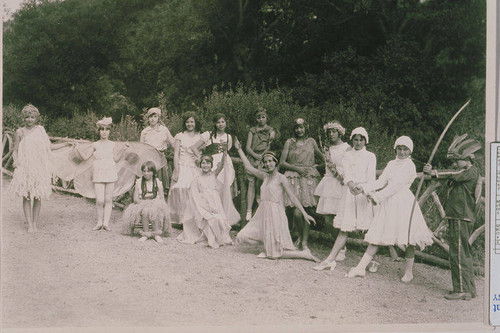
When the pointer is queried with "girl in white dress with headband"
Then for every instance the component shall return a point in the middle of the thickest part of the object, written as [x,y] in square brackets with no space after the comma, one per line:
[394,200]
[355,211]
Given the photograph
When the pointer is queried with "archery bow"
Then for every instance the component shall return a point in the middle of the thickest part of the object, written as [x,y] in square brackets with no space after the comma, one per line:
[429,162]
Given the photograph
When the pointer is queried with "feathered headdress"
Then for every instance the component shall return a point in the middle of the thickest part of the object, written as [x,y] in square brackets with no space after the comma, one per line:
[462,148]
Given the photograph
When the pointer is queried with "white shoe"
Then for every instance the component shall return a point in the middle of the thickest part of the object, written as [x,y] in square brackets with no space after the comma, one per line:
[341,255]
[325,266]
[355,272]
[373,266]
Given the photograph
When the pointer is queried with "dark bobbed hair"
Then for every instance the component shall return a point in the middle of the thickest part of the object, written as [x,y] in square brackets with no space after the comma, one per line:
[194,115]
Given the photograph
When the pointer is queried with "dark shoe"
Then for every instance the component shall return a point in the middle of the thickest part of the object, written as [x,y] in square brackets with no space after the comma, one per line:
[458,296]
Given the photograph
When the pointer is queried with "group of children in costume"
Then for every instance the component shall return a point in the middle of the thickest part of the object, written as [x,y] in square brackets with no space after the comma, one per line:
[200,196]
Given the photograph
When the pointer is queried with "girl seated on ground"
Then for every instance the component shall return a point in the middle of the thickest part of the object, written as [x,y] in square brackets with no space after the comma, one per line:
[204,220]
[149,207]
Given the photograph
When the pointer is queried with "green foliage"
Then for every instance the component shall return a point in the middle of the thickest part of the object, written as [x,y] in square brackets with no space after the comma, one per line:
[79,126]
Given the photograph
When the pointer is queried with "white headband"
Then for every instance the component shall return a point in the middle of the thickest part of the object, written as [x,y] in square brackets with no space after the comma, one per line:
[361,131]
[404,141]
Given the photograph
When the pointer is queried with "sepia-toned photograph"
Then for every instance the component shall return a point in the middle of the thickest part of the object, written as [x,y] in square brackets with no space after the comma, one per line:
[247,166]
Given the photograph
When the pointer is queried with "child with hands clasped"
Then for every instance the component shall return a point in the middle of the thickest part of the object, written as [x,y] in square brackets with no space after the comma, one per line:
[204,219]
[32,160]
[149,205]
[104,171]
[460,213]
[259,141]
[355,211]
[269,224]
[158,136]
[391,193]
[298,159]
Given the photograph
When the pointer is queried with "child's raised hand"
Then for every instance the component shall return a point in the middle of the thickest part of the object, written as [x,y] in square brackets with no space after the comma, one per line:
[237,143]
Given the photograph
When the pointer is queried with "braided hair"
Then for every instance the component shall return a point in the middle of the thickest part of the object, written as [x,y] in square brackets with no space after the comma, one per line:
[149,165]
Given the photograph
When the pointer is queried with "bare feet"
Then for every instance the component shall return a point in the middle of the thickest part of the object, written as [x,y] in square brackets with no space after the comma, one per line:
[107,228]
[158,239]
[355,272]
[142,239]
[97,227]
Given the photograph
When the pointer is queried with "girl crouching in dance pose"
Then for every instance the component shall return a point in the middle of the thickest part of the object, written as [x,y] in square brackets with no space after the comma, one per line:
[269,224]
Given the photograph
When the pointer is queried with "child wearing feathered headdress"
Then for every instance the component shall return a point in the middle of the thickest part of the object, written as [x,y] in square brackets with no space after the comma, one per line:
[460,213]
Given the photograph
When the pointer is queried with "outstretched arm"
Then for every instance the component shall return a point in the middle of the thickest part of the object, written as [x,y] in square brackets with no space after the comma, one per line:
[295,201]
[248,166]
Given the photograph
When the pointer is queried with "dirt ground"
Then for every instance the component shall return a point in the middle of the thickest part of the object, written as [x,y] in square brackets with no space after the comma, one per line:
[68,275]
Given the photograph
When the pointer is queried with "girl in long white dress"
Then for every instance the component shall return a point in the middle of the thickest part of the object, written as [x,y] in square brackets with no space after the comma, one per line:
[32,160]
[391,193]
[205,220]
[214,143]
[269,225]
[355,211]
[185,169]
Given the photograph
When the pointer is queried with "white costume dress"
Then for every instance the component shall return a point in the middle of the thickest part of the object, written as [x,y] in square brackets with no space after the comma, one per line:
[179,193]
[356,212]
[392,217]
[204,219]
[329,189]
[33,174]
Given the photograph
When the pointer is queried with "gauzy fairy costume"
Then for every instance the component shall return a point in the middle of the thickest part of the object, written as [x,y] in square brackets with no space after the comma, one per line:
[356,212]
[33,174]
[151,207]
[101,167]
[301,153]
[269,224]
[179,193]
[204,220]
[214,146]
[391,191]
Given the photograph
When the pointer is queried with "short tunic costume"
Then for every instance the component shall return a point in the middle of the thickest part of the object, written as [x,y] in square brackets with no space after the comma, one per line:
[204,220]
[301,153]
[104,166]
[356,212]
[179,192]
[395,199]
[261,138]
[33,175]
[329,189]
[152,208]
[214,146]
[269,224]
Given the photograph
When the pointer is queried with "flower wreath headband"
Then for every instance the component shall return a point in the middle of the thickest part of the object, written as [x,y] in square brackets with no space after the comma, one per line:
[334,125]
